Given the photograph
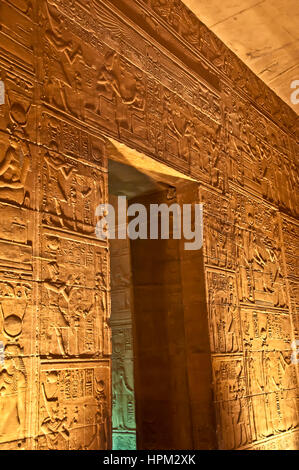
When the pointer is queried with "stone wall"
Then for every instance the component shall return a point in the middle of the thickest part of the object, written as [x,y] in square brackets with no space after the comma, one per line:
[148,74]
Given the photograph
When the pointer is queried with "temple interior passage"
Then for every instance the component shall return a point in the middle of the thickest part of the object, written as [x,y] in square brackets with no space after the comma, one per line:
[149,352]
[126,181]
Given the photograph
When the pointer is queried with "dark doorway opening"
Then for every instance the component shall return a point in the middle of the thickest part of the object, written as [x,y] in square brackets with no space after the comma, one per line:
[160,378]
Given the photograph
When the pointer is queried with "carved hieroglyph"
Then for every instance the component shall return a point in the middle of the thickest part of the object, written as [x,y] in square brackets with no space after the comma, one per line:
[151,76]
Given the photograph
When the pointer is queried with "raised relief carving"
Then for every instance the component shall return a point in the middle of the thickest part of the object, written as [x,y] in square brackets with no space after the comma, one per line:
[14,300]
[122,92]
[63,62]
[219,234]
[14,167]
[291,242]
[272,384]
[224,317]
[13,385]
[232,406]
[74,408]
[16,178]
[260,272]
[71,191]
[17,34]
[17,124]
[284,442]
[67,139]
[123,397]
[74,299]
[121,95]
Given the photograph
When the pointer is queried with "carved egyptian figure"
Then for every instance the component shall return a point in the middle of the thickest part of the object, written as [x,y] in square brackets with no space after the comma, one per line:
[13,383]
[14,169]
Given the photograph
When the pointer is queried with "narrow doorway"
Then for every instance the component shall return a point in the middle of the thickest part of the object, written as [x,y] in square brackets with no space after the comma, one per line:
[161,371]
[124,180]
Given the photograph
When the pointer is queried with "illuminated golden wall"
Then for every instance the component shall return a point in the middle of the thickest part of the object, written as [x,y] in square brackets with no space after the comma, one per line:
[150,75]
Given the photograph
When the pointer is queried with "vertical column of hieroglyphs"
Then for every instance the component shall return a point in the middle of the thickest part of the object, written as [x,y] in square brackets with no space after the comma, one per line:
[73,409]
[18,159]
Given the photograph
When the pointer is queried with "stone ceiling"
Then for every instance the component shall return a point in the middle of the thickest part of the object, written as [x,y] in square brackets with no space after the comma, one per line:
[264,34]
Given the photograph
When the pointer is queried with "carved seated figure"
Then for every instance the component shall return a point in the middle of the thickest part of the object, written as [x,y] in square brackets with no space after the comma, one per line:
[14,169]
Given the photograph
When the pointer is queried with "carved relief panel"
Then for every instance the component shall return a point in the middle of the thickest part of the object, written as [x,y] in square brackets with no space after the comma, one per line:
[266,330]
[18,178]
[17,35]
[231,402]
[219,242]
[71,192]
[290,235]
[74,298]
[284,442]
[117,95]
[273,386]
[16,371]
[260,271]
[74,407]
[224,315]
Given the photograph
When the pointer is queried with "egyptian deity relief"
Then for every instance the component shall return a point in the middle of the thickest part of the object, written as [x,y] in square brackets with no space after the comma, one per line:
[15,320]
